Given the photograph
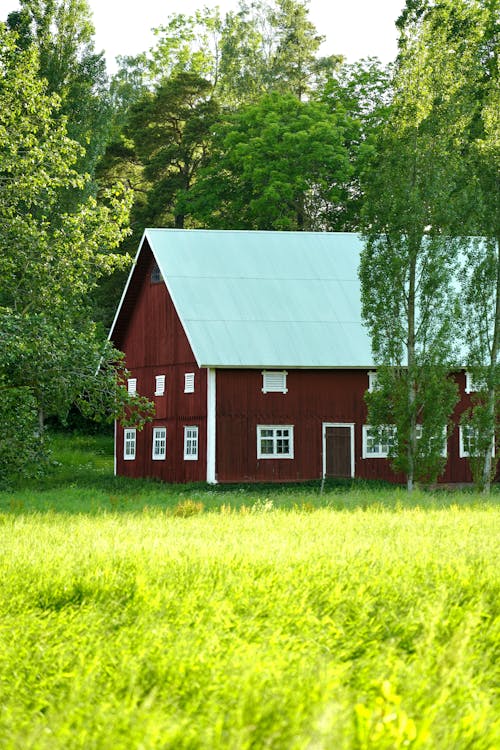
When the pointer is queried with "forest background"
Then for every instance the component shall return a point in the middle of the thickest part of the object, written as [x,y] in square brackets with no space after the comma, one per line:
[238,121]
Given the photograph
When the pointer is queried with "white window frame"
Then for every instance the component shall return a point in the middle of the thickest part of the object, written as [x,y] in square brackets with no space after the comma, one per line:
[372,380]
[444,451]
[191,444]
[381,453]
[159,447]
[275,429]
[132,386]
[462,451]
[392,428]
[274,381]
[159,385]
[129,443]
[471,385]
[189,382]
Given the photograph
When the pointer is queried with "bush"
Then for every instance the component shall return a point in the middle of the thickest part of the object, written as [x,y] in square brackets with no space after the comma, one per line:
[21,447]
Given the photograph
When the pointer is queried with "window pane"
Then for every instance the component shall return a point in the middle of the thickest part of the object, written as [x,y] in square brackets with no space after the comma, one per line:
[267,446]
[282,446]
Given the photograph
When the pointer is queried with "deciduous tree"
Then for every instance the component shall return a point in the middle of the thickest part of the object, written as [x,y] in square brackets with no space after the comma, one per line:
[277,164]
[50,260]
[409,260]
[63,33]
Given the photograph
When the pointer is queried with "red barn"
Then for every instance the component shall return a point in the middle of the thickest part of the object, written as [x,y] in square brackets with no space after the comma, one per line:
[252,347]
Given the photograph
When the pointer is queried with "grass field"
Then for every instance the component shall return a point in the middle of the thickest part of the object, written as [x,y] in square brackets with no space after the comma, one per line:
[137,616]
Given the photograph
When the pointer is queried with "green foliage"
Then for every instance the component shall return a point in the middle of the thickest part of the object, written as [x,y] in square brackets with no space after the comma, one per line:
[62,32]
[53,253]
[413,185]
[21,452]
[422,424]
[460,38]
[260,48]
[278,164]
[170,129]
[359,96]
[483,441]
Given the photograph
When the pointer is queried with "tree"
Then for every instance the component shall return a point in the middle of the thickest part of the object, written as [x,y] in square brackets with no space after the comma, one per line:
[409,260]
[462,39]
[473,29]
[62,31]
[275,165]
[359,95]
[170,129]
[50,350]
[260,48]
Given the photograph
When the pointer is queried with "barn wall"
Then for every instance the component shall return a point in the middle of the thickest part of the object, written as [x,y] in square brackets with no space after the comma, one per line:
[154,342]
[313,397]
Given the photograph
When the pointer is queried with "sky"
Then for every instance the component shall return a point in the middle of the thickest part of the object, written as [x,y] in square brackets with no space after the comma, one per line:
[353,28]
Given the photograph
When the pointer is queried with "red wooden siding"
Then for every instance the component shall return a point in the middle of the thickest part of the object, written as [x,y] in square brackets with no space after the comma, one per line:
[314,397]
[153,339]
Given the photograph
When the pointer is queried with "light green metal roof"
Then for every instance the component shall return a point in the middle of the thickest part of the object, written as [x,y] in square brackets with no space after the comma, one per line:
[266,299]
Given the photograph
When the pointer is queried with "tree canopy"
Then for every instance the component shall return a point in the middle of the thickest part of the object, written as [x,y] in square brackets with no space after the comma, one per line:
[50,349]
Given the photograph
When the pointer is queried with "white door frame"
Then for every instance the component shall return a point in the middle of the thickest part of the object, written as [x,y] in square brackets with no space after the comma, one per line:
[338,424]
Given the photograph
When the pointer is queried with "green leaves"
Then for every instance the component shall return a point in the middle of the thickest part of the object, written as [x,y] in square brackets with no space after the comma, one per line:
[53,251]
[277,164]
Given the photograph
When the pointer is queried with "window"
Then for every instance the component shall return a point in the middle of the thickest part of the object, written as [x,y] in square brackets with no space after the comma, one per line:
[372,381]
[468,437]
[190,443]
[378,442]
[189,382]
[129,443]
[156,277]
[274,381]
[159,385]
[274,441]
[159,443]
[472,385]
[132,386]
[444,451]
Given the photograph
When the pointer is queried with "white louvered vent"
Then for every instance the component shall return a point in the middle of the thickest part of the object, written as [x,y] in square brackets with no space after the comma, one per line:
[132,386]
[274,381]
[189,382]
[159,385]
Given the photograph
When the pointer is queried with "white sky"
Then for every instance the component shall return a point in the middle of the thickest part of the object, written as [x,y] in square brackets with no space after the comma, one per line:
[353,28]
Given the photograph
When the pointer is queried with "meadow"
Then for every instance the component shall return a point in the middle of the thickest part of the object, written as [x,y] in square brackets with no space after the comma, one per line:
[139,616]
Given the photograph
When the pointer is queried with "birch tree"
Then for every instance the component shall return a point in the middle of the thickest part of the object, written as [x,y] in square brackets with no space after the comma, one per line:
[470,29]
[407,265]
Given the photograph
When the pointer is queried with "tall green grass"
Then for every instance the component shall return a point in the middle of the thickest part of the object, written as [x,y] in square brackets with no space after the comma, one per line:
[165,618]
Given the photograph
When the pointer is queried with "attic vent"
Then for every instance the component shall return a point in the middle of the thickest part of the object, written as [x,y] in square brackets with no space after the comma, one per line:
[132,386]
[372,381]
[274,381]
[189,382]
[156,277]
[159,385]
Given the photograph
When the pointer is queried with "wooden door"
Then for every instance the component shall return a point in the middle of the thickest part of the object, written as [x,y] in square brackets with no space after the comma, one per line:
[338,451]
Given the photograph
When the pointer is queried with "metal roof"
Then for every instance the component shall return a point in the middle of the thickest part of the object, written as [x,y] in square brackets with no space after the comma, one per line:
[266,299]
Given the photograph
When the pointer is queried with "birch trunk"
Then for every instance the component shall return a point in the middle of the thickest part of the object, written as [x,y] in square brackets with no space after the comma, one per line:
[491,397]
